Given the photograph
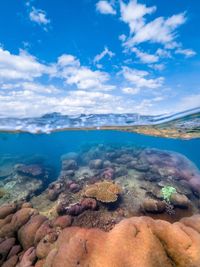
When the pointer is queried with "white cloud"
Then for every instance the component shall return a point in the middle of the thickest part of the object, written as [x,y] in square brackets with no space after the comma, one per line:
[87,79]
[140,78]
[145,57]
[30,87]
[122,37]
[104,7]
[159,67]
[23,66]
[39,16]
[186,52]
[130,90]
[133,14]
[105,52]
[83,77]
[163,53]
[68,60]
[160,30]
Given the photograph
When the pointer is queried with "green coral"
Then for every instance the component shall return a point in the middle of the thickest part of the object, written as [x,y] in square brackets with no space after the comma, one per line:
[167,192]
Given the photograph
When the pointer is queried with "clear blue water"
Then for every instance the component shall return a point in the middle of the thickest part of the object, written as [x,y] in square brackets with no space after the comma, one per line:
[52,146]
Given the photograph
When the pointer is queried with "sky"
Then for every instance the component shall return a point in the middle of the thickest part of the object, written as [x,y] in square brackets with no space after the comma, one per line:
[87,56]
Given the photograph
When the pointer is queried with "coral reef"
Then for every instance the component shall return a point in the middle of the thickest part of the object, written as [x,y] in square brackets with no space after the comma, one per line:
[77,208]
[35,170]
[104,191]
[37,241]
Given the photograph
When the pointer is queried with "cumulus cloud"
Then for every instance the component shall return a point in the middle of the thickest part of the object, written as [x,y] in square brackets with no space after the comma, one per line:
[39,16]
[186,52]
[158,67]
[133,14]
[145,57]
[22,66]
[83,77]
[140,79]
[105,7]
[160,30]
[104,53]
[25,83]
[130,90]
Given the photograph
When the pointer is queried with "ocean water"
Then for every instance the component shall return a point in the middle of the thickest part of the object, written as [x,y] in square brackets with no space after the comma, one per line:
[97,170]
[40,155]
[52,146]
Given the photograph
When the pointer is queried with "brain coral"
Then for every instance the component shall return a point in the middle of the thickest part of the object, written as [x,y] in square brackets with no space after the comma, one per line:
[103,191]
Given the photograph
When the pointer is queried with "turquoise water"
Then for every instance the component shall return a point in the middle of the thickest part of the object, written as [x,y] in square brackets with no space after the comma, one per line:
[52,146]
[40,166]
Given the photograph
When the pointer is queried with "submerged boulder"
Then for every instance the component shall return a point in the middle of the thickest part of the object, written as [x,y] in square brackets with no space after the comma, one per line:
[34,170]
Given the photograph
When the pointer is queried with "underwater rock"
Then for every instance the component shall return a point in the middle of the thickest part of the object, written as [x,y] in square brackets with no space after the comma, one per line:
[63,221]
[179,200]
[152,176]
[11,262]
[5,248]
[103,191]
[175,165]
[45,228]
[6,210]
[131,164]
[77,208]
[113,155]
[52,194]
[66,173]
[72,186]
[69,164]
[124,159]
[26,233]
[121,172]
[34,170]
[14,251]
[20,187]
[46,245]
[142,167]
[96,164]
[195,183]
[6,220]
[28,258]
[22,216]
[108,173]
[154,206]
[107,164]
[54,190]
[136,241]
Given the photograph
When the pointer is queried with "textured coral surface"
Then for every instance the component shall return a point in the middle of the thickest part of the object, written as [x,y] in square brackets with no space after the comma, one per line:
[103,191]
[28,239]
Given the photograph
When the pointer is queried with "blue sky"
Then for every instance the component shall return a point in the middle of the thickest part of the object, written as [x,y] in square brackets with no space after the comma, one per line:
[92,56]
